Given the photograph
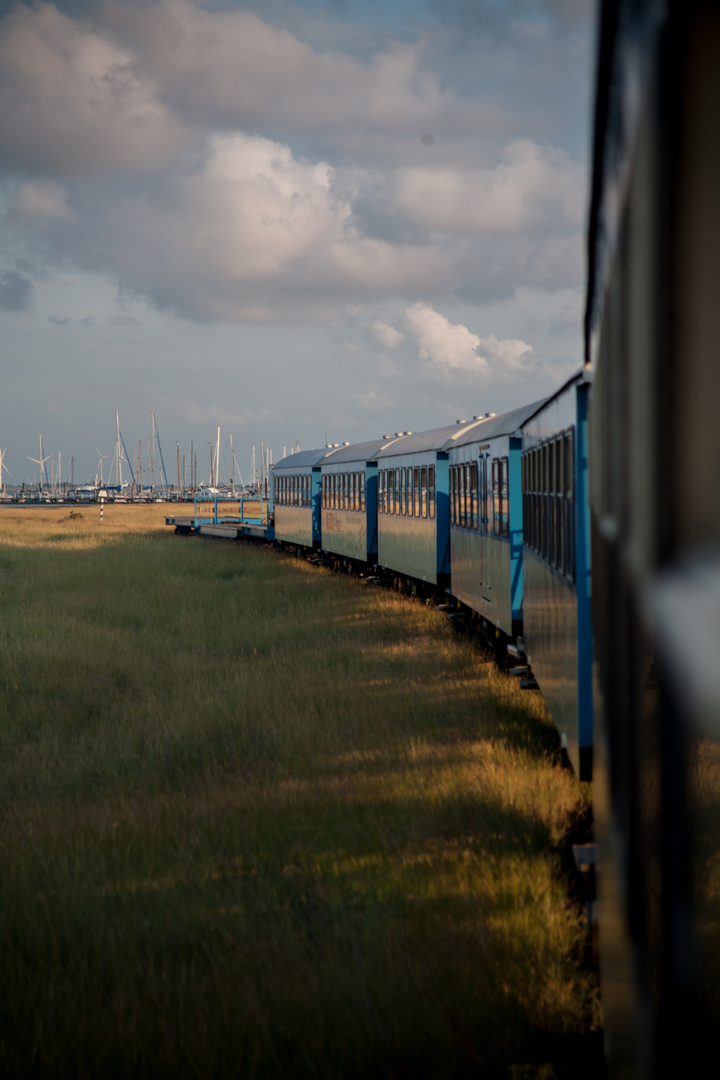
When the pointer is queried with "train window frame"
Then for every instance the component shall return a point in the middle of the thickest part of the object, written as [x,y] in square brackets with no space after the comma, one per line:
[431,492]
[416,479]
[423,491]
[390,491]
[474,494]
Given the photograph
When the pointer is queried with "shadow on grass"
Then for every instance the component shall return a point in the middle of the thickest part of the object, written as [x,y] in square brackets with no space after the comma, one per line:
[324,938]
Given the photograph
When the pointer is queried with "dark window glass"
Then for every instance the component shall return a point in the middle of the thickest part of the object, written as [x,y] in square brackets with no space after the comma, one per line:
[423,485]
[474,494]
[410,494]
[397,491]
[362,492]
[496,496]
[391,491]
[416,481]
[431,490]
[505,496]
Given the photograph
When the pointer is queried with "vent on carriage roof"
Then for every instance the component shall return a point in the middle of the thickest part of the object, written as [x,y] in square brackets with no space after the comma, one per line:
[346,444]
[491,414]
[387,436]
[407,432]
[461,421]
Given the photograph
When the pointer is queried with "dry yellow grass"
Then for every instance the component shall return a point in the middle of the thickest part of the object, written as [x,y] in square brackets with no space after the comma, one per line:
[256,819]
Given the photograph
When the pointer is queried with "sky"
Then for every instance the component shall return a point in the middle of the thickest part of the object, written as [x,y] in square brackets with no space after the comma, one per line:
[302,221]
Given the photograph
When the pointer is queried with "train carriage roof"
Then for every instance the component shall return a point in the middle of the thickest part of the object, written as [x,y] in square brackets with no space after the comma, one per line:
[492,427]
[304,459]
[364,451]
[422,441]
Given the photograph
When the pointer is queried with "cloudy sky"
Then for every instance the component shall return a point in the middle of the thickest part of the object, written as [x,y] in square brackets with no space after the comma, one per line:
[300,220]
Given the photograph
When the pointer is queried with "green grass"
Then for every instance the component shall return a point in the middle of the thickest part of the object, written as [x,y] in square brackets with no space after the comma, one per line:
[259,820]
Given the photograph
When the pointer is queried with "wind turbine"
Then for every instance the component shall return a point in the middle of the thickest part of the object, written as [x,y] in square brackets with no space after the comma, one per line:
[3,466]
[100,456]
[41,462]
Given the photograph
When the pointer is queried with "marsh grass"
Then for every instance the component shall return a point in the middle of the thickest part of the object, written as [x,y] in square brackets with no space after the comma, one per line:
[259,820]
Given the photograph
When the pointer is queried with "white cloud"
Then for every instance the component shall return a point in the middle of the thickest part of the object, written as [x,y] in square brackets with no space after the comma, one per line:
[387,335]
[440,341]
[143,110]
[250,232]
[453,345]
[40,201]
[533,187]
[72,101]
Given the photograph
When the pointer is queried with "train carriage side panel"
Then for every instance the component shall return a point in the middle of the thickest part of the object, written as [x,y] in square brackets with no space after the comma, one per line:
[556,570]
[486,519]
[349,513]
[296,491]
[413,505]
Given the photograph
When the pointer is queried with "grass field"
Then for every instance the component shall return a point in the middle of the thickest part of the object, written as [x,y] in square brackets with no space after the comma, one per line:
[258,820]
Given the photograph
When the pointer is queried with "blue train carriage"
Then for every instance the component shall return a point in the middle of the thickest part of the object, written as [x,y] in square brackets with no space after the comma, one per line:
[486,521]
[350,500]
[413,510]
[296,490]
[557,629]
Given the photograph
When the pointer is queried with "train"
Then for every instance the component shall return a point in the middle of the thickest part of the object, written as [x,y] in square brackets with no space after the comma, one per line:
[581,533]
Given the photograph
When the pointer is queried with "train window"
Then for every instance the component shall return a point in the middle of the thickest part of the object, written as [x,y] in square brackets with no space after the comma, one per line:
[416,483]
[391,491]
[474,494]
[423,488]
[496,496]
[505,496]
[431,490]
[410,495]
[483,495]
[397,491]
[403,491]
[362,492]
[451,486]
[381,491]
[385,496]
[570,464]
[346,490]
